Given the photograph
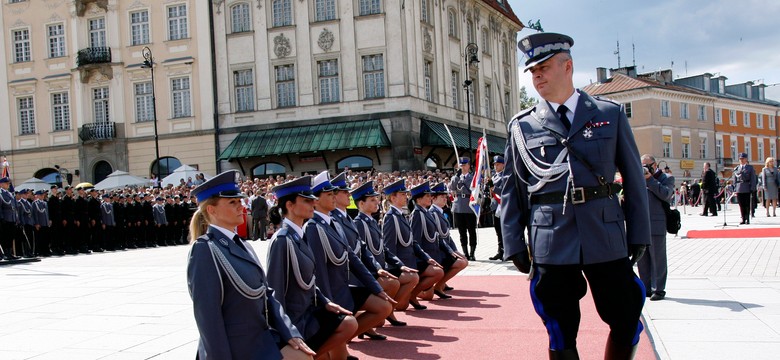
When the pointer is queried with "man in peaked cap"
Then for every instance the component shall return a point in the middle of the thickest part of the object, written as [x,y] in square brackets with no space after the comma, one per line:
[561,158]
[744,183]
[496,183]
[465,219]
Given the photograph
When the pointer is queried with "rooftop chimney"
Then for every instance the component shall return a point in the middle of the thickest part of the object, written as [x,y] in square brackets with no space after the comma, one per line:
[601,74]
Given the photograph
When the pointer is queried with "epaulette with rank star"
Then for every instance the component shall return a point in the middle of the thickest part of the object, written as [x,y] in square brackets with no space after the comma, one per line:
[605,99]
[521,114]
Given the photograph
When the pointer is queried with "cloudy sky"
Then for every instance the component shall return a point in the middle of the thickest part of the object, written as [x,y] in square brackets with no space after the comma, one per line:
[737,39]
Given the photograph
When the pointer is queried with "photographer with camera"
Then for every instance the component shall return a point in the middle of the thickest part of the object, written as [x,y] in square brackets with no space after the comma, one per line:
[744,183]
[652,266]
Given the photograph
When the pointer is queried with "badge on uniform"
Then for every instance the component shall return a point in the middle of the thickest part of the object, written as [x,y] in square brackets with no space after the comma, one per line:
[588,132]
[223,242]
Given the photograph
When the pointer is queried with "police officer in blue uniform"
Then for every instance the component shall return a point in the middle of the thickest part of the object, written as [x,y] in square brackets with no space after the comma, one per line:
[24,209]
[40,213]
[325,325]
[496,184]
[237,314]
[465,219]
[561,159]
[744,184]
[108,223]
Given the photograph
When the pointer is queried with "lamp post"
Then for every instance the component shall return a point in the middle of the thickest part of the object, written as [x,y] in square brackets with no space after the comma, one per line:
[471,59]
[149,63]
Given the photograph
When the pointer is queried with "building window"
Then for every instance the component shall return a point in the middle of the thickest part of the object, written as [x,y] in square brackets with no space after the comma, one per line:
[746,119]
[60,111]
[452,23]
[355,163]
[368,7]
[702,148]
[733,117]
[56,40]
[374,76]
[22,45]
[773,149]
[177,22]
[285,85]
[16,1]
[734,149]
[330,88]
[718,116]
[759,121]
[667,148]
[244,81]
[166,166]
[97,33]
[761,150]
[472,100]
[139,27]
[719,148]
[26,115]
[428,75]
[702,113]
[772,120]
[455,88]
[180,93]
[470,32]
[485,41]
[144,105]
[665,111]
[425,12]
[325,10]
[270,169]
[684,111]
[488,109]
[629,110]
[748,149]
[505,51]
[507,101]
[100,105]
[240,17]
[686,147]
[282,12]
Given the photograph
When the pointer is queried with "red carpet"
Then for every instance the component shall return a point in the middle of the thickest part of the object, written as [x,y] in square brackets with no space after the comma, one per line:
[490,317]
[734,233]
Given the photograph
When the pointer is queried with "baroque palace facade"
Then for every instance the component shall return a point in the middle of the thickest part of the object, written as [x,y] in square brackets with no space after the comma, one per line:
[78,98]
[685,122]
[263,86]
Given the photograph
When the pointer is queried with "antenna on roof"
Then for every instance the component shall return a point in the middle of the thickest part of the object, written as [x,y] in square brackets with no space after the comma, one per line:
[686,67]
[633,53]
[617,52]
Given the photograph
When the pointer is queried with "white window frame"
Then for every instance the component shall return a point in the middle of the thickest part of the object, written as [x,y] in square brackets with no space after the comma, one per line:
[178,21]
[665,108]
[455,88]
[488,99]
[324,10]
[56,40]
[26,114]
[772,121]
[686,149]
[144,101]
[244,89]
[470,36]
[733,147]
[684,113]
[667,149]
[629,109]
[281,12]
[22,48]
[139,27]
[428,79]
[425,11]
[373,70]
[240,17]
[452,23]
[733,117]
[485,38]
[284,76]
[703,148]
[101,111]
[718,116]
[746,119]
[773,149]
[759,121]
[60,111]
[719,148]
[181,97]
[369,7]
[748,149]
[702,116]
[760,146]
[97,32]
[330,83]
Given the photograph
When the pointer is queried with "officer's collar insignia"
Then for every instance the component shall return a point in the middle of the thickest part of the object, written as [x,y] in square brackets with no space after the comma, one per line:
[542,112]
[588,103]
[223,242]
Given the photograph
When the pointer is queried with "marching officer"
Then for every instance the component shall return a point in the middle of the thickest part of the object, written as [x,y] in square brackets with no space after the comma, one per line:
[7,219]
[497,182]
[465,219]
[561,159]
[40,214]
[54,205]
[70,236]
[744,183]
[170,218]
[24,209]
[95,217]
[108,223]
[160,221]
[81,212]
[120,218]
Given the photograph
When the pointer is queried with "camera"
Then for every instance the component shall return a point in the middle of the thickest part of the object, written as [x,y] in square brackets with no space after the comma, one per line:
[649,168]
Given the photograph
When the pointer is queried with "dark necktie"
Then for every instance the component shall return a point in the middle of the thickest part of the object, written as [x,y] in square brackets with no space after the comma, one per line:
[238,242]
[564,119]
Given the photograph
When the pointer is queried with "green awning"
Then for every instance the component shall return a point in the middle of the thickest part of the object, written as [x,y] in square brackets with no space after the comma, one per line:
[435,134]
[307,139]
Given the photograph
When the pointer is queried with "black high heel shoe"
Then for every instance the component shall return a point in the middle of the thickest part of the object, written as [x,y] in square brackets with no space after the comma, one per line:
[417,306]
[372,336]
[448,288]
[442,295]
[395,322]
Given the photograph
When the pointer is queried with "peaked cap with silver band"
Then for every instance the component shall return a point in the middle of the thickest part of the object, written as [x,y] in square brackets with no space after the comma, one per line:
[539,47]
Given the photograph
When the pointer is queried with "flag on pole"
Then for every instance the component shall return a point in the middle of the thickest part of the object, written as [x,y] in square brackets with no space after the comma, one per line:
[481,174]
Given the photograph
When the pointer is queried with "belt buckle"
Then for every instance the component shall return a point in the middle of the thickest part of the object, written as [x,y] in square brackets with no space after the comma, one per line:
[578,195]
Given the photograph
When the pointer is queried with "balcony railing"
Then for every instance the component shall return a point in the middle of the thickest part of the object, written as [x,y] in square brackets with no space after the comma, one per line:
[98,131]
[93,55]
[724,161]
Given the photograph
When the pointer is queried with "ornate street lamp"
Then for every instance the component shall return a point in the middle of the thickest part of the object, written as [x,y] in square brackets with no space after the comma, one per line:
[471,60]
[149,64]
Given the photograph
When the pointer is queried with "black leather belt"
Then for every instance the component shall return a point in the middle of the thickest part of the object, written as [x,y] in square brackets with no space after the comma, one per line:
[578,195]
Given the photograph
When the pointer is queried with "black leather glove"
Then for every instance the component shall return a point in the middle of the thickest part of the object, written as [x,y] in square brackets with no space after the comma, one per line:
[635,252]
[522,261]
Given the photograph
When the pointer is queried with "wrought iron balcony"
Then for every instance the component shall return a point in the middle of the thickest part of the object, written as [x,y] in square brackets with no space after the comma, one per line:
[98,131]
[93,55]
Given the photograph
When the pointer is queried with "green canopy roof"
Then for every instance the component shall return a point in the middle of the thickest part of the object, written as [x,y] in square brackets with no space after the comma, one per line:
[435,134]
[307,139]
